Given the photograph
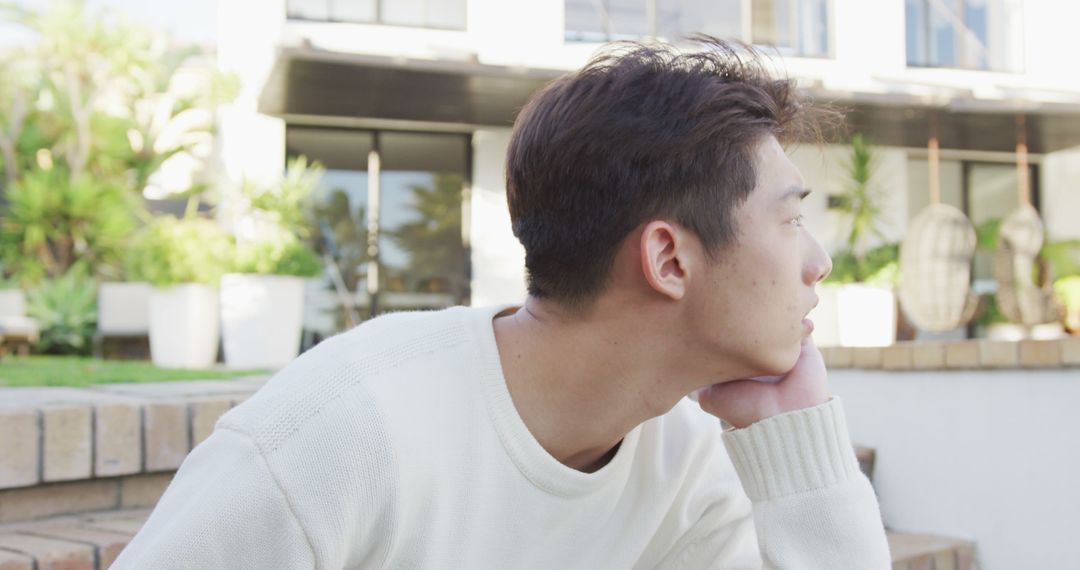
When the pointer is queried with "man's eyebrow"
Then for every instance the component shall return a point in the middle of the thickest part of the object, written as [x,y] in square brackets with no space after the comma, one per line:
[795,191]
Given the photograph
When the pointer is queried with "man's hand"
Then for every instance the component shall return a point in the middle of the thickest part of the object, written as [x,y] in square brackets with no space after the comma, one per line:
[743,402]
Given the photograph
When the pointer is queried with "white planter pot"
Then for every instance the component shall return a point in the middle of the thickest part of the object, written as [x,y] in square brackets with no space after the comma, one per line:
[184,326]
[261,319]
[124,308]
[12,303]
[1014,333]
[854,315]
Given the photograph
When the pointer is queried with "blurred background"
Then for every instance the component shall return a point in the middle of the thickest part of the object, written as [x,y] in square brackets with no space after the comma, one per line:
[219,185]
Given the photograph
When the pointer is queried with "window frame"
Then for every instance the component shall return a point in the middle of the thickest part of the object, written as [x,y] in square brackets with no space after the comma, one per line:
[958,45]
[377,21]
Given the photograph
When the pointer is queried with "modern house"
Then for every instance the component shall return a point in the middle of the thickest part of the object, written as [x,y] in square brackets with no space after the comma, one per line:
[409,105]
[410,100]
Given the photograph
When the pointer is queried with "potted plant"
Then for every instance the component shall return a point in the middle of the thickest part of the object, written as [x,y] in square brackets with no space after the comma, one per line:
[262,301]
[184,260]
[262,298]
[857,301]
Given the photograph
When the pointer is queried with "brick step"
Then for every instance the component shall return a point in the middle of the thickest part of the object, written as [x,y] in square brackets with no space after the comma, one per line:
[80,542]
[93,541]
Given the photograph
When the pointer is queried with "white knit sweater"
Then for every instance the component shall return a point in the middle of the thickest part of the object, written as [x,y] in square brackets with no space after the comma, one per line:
[397,445]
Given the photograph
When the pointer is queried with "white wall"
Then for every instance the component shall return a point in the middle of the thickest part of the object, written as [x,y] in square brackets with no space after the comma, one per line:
[1051,42]
[498,260]
[252,145]
[1061,194]
[983,455]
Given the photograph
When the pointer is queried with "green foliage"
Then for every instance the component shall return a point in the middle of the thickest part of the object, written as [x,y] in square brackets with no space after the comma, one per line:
[51,220]
[1063,256]
[861,202]
[33,371]
[286,215]
[991,313]
[66,309]
[284,254]
[88,113]
[286,203]
[170,252]
[987,234]
[84,67]
[880,266]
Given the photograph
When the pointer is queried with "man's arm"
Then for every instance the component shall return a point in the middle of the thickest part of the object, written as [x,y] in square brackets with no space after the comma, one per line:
[224,509]
[812,507]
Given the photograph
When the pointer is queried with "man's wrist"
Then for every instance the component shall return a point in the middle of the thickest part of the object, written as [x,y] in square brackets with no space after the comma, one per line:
[793,452]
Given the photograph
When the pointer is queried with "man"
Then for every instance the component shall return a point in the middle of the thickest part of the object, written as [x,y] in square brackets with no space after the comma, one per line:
[666,256]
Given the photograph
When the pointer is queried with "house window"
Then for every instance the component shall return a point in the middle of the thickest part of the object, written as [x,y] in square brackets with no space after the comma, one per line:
[970,34]
[390,213]
[607,20]
[794,27]
[439,14]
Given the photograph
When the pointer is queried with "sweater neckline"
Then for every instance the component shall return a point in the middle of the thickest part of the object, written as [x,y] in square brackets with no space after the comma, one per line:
[539,466]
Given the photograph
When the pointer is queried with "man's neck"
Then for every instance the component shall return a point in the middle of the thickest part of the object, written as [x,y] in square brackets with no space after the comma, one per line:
[581,384]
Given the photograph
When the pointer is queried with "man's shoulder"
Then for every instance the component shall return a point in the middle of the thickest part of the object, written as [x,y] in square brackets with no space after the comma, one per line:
[329,388]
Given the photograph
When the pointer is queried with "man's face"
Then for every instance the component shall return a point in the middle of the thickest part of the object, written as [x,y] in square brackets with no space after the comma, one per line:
[751,306]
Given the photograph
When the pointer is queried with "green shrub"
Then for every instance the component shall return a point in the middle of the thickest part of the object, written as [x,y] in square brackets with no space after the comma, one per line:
[987,235]
[284,254]
[171,252]
[287,202]
[50,221]
[1064,257]
[66,309]
[879,267]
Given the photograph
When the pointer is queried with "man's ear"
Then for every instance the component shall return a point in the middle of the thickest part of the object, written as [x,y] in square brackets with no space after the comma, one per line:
[663,258]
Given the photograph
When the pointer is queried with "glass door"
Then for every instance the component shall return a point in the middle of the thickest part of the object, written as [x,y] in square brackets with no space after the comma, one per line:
[391,213]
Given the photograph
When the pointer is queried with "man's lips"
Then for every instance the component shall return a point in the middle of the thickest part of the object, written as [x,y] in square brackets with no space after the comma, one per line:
[808,325]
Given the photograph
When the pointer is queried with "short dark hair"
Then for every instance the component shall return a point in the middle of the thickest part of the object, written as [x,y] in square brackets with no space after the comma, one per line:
[644,131]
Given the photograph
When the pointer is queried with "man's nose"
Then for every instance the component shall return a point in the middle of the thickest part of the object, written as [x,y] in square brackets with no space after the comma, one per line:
[818,263]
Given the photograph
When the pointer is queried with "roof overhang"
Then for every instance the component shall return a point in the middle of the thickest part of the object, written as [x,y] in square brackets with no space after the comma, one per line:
[363,89]
[318,83]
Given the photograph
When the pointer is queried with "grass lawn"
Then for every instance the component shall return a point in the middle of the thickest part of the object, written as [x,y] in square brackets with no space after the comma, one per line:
[81,371]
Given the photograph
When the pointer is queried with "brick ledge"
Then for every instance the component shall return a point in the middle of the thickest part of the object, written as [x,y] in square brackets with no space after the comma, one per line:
[56,435]
[958,355]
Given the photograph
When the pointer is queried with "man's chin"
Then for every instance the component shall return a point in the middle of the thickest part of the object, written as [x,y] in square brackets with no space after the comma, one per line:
[781,362]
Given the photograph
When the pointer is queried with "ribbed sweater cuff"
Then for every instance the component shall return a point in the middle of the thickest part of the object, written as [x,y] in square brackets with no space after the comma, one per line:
[793,452]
